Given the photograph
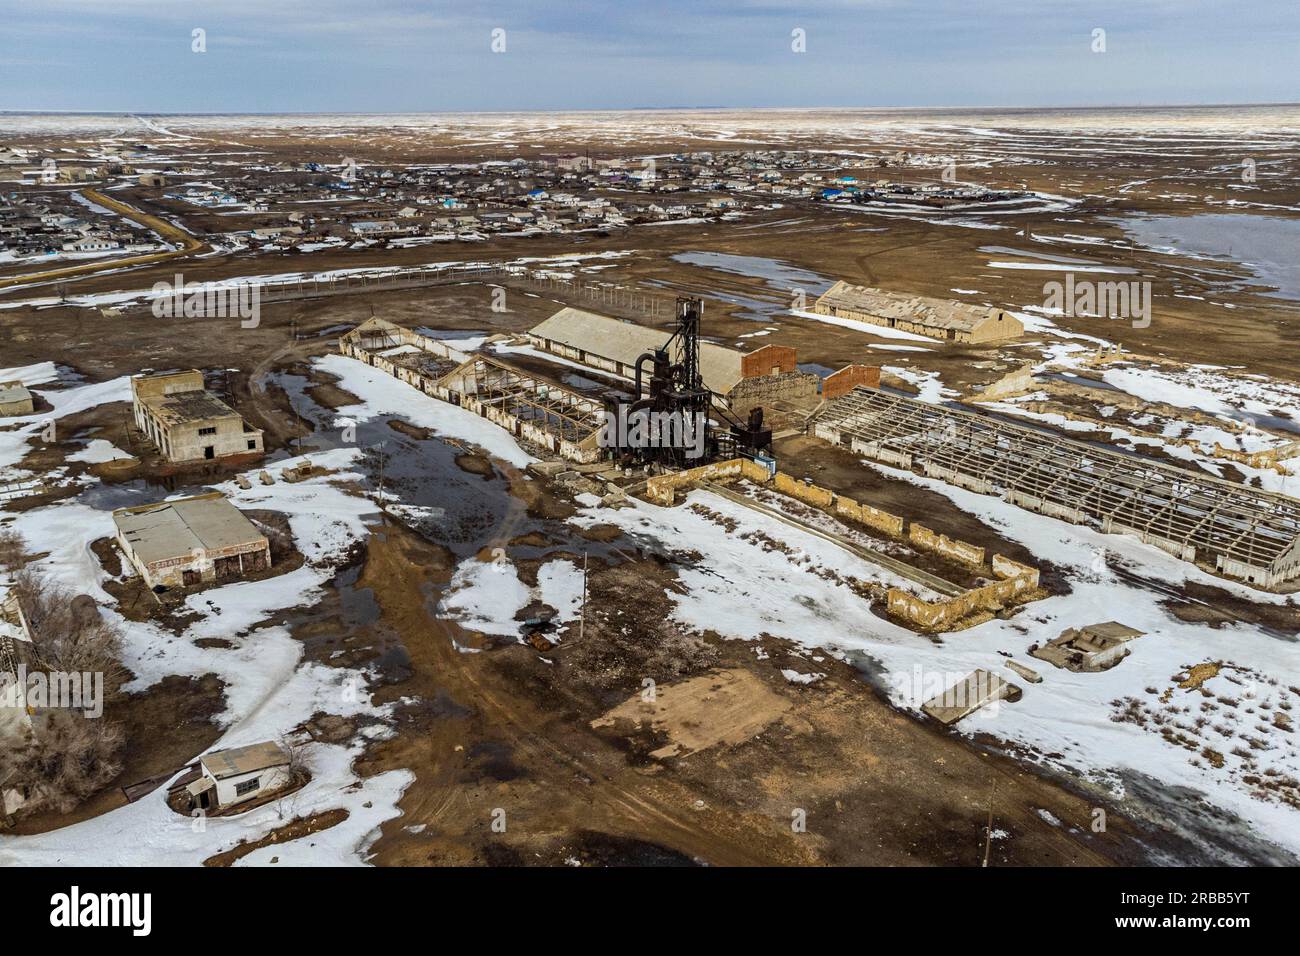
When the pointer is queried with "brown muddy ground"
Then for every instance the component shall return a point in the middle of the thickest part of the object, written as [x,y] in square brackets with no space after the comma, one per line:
[510,729]
[507,731]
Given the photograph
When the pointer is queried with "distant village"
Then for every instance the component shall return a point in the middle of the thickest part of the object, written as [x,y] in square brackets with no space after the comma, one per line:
[59,222]
[314,205]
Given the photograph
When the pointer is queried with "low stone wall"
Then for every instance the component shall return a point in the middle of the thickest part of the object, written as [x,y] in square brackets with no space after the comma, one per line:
[871,517]
[814,495]
[662,489]
[1267,458]
[1006,568]
[962,551]
[1014,580]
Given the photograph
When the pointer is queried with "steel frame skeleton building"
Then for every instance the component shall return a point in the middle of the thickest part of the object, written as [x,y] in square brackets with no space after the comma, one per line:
[570,417]
[1232,529]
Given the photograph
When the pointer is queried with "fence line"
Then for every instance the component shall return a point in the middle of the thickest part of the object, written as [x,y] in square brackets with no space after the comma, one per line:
[610,296]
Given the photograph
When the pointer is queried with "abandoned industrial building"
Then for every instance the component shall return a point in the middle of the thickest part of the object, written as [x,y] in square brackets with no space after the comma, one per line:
[613,346]
[544,413]
[15,400]
[186,421]
[189,541]
[919,314]
[1231,529]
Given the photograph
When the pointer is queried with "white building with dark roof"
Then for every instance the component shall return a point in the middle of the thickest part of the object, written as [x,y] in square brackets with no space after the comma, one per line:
[240,774]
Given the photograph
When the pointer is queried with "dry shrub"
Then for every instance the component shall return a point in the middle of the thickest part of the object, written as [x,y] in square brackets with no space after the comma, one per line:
[68,632]
[12,550]
[68,759]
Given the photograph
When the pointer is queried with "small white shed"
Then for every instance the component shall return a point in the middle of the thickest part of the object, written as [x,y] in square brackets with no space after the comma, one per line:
[229,777]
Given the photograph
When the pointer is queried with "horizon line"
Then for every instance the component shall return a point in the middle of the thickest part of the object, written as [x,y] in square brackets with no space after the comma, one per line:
[44,111]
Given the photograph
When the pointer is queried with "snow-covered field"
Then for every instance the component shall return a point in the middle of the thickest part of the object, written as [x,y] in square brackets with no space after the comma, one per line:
[270,690]
[741,590]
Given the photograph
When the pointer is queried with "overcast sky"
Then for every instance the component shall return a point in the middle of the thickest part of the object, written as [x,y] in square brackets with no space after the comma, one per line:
[403,56]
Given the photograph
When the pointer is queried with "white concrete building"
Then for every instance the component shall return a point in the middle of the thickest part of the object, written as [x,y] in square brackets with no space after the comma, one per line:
[189,541]
[230,777]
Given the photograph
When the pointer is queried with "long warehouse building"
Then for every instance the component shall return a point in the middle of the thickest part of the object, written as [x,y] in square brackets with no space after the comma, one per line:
[613,346]
[920,314]
[1231,529]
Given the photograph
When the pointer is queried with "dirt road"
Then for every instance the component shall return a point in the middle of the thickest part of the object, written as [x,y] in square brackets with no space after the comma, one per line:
[168,231]
[492,735]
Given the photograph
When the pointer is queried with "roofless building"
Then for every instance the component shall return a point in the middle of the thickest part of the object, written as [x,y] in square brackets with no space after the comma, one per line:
[1231,529]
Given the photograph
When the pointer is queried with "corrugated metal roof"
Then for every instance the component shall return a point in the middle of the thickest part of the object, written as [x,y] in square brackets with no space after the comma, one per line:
[622,341]
[241,760]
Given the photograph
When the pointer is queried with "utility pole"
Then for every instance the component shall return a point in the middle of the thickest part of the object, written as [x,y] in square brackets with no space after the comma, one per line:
[988,830]
[383,511]
[582,619]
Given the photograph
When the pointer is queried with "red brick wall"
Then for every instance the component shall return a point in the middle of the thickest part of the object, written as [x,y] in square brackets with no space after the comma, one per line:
[762,361]
[849,377]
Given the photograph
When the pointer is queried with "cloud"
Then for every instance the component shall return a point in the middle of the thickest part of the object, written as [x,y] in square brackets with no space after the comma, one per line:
[394,55]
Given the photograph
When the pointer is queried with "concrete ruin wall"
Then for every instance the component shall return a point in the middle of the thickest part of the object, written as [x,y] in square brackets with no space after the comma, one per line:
[1014,580]
[827,433]
[1006,568]
[1013,383]
[962,551]
[1266,458]
[797,388]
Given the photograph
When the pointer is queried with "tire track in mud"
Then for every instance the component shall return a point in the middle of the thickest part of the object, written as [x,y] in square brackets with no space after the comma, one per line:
[629,807]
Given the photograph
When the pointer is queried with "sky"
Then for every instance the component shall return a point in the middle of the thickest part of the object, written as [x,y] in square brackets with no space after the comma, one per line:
[433,56]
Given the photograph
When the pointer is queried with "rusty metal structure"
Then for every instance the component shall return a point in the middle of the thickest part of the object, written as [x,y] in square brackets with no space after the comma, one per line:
[676,387]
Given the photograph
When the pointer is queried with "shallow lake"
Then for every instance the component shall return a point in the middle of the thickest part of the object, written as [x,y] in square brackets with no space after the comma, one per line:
[1266,245]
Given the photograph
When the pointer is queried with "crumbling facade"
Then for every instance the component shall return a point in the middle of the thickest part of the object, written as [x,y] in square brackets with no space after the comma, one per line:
[187,422]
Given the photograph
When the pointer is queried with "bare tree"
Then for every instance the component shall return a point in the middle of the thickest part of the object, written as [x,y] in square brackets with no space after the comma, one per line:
[68,632]
[295,748]
[67,760]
